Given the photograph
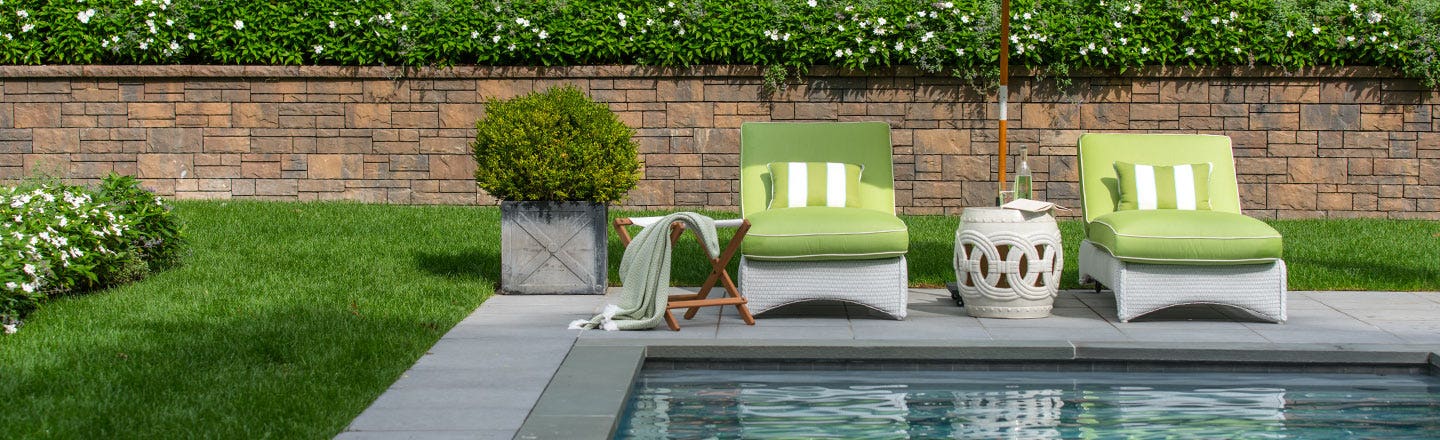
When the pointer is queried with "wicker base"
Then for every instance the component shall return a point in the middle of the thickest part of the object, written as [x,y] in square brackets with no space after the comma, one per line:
[1143,288]
[877,284]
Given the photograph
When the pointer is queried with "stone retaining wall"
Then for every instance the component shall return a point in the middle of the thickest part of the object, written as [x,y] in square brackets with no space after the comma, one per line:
[1328,142]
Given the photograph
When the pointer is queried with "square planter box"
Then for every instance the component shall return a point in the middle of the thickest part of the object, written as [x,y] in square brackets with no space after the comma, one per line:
[553,248]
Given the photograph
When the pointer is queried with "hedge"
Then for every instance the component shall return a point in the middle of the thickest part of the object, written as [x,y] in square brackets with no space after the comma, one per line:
[960,35]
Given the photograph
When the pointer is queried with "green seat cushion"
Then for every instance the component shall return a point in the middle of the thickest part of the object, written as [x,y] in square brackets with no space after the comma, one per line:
[1185,237]
[825,233]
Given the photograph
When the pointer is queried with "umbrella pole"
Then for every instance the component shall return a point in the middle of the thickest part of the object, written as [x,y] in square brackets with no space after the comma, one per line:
[1004,92]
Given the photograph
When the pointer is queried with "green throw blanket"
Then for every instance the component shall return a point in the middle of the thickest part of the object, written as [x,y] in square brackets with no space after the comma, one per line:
[645,275]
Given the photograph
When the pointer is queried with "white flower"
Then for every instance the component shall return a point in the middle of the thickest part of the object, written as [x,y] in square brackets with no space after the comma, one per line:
[785,37]
[144,45]
[319,48]
[494,38]
[1117,25]
[404,27]
[29,269]
[621,16]
[880,21]
[27,27]
[927,37]
[840,28]
[190,36]
[899,46]
[1026,15]
[670,4]
[22,13]
[544,35]
[1189,51]
[511,48]
[1234,15]
[9,328]
[239,25]
[522,22]
[1353,7]
[1105,50]
[1236,49]
[357,22]
[332,24]
[872,49]
[675,23]
[1386,33]
[838,53]
[812,3]
[474,35]
[1373,17]
[682,32]
[28,287]
[1083,52]
[964,18]
[84,16]
[11,285]
[1214,20]
[1144,50]
[1124,41]
[1289,33]
[1137,8]
[173,47]
[1315,30]
[1349,38]
[960,52]
[169,22]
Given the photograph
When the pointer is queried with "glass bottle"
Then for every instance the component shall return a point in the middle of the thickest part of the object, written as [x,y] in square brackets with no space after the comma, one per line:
[1024,186]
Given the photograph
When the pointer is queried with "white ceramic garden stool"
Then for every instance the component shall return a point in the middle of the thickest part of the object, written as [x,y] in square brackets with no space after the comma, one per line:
[1007,262]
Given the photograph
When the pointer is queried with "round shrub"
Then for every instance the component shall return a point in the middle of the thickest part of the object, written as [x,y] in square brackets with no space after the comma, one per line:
[556,145]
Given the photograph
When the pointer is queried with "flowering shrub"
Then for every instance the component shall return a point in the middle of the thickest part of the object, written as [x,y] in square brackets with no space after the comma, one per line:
[57,238]
[859,34]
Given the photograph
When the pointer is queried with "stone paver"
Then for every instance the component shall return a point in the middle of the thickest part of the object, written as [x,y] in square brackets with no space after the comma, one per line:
[485,376]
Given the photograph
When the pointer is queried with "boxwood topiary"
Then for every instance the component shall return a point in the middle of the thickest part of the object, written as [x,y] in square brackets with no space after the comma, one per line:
[555,145]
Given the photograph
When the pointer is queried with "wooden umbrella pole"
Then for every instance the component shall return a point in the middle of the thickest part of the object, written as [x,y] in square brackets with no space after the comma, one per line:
[1004,91]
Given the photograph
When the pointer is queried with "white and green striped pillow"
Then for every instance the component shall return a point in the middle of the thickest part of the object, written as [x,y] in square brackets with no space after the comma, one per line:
[800,184]
[1184,186]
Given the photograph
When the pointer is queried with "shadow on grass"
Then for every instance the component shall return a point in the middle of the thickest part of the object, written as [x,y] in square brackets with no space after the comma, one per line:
[466,264]
[1369,274]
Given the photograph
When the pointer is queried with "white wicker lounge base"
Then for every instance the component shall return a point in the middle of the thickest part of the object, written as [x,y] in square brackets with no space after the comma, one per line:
[1143,288]
[878,284]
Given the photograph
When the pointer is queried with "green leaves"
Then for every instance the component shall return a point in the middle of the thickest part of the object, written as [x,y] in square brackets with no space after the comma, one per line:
[960,36]
[554,145]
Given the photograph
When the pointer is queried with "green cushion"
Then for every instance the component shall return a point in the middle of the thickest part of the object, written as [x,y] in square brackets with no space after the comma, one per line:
[1185,237]
[801,184]
[866,144]
[824,233]
[1100,192]
[1145,186]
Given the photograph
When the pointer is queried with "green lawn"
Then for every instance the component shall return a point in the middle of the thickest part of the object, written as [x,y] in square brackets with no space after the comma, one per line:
[285,322]
[288,318]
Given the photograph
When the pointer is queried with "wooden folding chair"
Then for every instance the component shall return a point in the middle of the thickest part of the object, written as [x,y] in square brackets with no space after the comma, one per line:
[718,273]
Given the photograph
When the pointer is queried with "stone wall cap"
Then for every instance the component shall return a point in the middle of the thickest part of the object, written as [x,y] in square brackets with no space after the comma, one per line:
[701,71]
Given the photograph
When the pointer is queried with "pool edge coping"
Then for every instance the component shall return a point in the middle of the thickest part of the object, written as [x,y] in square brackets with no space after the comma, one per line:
[588,393]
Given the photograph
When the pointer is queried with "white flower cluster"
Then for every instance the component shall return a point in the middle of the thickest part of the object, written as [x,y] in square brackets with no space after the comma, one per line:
[42,233]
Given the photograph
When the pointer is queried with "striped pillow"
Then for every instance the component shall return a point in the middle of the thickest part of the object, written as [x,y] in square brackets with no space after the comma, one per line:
[800,184]
[1163,187]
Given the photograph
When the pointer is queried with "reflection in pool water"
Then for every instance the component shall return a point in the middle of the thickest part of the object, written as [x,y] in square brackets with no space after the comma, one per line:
[1032,405]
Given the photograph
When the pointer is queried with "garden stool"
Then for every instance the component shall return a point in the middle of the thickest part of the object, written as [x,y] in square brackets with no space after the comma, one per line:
[1007,262]
[718,274]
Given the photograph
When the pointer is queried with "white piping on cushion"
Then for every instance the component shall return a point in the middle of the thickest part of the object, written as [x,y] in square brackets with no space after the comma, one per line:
[791,257]
[1183,260]
[1118,234]
[827,233]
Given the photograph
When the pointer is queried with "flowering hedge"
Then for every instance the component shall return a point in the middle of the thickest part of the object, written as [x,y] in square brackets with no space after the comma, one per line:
[795,33]
[57,238]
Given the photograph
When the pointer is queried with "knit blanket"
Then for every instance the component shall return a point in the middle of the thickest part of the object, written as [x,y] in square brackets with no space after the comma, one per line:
[645,275]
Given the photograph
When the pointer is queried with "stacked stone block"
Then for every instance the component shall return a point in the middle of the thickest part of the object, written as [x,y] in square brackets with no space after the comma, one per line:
[1329,142]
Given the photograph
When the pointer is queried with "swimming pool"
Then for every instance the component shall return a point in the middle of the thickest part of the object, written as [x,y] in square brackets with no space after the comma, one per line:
[684,403]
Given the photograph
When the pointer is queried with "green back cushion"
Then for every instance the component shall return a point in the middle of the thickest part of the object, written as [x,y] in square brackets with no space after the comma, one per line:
[1100,189]
[1185,187]
[866,144]
[801,184]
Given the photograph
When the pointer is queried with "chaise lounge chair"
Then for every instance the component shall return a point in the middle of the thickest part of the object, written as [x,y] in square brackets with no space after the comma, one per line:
[1163,227]
[820,199]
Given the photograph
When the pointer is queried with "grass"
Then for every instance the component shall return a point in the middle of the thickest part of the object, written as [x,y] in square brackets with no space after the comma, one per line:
[288,319]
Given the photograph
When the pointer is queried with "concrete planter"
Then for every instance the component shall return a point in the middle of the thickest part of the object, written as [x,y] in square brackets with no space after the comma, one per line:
[553,248]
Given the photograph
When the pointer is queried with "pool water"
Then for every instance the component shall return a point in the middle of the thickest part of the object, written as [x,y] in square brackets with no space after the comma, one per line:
[688,404]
